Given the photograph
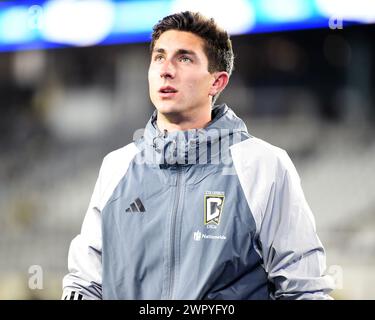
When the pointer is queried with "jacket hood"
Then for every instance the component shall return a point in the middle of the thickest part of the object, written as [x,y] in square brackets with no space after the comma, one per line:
[195,145]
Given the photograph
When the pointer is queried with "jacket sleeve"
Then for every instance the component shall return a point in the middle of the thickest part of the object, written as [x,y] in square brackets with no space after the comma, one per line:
[84,259]
[84,280]
[293,255]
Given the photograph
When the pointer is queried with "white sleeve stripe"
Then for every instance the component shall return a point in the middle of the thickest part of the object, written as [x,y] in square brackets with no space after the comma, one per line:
[255,162]
[115,166]
[84,259]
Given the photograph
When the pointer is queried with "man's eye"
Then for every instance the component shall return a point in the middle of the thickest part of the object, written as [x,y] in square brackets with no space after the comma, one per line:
[185,59]
[158,58]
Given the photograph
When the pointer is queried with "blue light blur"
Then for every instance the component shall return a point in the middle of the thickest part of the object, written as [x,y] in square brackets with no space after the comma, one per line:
[21,22]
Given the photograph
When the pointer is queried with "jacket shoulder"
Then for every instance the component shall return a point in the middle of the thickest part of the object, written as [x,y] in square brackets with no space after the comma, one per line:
[121,155]
[257,152]
[114,166]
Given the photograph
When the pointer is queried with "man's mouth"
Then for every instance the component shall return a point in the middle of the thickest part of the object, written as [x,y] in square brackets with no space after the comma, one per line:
[167,92]
[167,89]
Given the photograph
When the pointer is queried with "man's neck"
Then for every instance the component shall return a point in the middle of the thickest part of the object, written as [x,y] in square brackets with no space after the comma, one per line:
[181,123]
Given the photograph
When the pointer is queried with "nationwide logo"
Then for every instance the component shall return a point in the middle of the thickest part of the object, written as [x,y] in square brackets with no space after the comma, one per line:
[136,206]
[198,236]
[213,207]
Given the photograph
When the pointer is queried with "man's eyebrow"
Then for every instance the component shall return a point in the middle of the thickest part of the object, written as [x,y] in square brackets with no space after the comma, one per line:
[185,51]
[158,50]
[178,52]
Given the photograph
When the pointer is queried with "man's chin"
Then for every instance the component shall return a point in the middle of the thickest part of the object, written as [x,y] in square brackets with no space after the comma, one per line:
[168,109]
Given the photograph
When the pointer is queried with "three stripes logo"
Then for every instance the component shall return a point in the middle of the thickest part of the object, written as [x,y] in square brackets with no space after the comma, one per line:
[136,206]
[73,295]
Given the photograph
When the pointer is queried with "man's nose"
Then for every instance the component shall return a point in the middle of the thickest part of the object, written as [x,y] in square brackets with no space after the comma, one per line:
[167,70]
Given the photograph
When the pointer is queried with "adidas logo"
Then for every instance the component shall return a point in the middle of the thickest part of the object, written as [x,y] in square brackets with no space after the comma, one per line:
[136,206]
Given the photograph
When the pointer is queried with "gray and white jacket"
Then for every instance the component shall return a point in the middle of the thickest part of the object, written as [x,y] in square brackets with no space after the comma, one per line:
[211,213]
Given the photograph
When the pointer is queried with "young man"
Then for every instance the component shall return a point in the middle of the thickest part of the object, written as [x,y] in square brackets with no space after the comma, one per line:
[197,208]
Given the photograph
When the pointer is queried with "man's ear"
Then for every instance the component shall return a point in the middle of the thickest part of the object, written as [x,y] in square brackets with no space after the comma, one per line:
[221,80]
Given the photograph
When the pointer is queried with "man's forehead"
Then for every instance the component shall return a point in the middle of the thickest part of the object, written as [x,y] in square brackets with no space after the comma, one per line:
[175,40]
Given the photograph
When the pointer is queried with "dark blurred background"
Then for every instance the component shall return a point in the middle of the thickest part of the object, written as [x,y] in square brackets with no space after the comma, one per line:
[310,92]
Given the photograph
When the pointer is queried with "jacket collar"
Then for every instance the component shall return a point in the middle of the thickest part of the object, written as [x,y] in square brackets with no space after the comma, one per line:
[190,146]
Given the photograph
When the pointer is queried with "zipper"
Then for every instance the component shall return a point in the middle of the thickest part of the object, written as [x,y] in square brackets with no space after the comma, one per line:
[172,269]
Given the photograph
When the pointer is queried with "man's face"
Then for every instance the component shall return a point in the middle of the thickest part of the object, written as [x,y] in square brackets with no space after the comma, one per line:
[179,80]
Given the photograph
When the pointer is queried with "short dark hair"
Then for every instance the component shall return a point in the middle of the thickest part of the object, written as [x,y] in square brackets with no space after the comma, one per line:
[217,44]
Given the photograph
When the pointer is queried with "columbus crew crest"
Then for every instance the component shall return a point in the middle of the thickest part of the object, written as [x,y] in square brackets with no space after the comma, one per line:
[213,207]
